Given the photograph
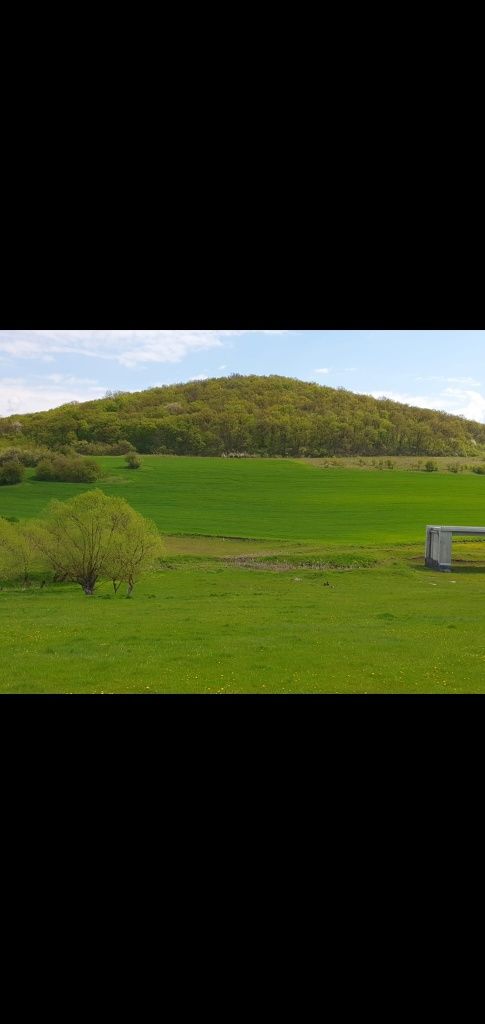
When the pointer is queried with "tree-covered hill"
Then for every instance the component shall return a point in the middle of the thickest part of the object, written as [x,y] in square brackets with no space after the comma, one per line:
[272,415]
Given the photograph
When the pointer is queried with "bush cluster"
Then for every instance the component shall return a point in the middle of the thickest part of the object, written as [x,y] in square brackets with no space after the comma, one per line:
[12,472]
[26,456]
[68,469]
[98,448]
[383,464]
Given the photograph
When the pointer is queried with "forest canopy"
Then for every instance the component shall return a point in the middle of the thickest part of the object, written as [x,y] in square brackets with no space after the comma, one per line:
[272,416]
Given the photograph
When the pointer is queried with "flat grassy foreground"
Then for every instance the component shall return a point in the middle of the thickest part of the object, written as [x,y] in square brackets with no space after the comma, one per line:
[278,578]
[228,630]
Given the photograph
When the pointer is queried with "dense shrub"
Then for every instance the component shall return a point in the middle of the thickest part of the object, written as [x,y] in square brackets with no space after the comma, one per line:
[27,456]
[121,448]
[12,472]
[68,469]
[8,428]
[430,466]
[32,456]
[8,454]
[479,469]
[98,448]
[133,461]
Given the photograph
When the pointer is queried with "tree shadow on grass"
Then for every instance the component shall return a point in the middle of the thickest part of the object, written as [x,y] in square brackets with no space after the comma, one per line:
[457,569]
[467,568]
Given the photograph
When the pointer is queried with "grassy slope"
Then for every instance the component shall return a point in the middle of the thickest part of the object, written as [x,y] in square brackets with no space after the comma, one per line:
[206,626]
[275,499]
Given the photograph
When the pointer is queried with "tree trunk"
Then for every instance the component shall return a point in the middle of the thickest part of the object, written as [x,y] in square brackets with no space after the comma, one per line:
[88,587]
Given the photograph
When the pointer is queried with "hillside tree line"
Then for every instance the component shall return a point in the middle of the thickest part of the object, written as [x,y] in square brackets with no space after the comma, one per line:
[263,416]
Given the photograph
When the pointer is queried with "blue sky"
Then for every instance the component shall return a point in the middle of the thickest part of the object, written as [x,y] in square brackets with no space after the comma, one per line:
[435,369]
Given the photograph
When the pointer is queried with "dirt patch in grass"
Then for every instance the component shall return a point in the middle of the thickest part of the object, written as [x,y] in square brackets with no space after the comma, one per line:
[275,563]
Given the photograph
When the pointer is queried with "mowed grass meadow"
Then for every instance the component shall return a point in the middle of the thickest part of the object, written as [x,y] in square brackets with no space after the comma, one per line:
[279,577]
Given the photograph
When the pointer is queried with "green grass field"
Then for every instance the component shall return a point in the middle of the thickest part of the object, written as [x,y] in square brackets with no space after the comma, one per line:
[274,499]
[279,577]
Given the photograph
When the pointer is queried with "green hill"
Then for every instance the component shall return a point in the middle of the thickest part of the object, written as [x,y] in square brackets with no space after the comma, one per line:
[274,416]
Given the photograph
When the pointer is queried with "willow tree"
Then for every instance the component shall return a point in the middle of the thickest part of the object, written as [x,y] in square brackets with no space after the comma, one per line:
[81,538]
[138,553]
[19,554]
[8,545]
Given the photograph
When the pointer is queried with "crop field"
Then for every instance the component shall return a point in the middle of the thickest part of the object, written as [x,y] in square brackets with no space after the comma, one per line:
[273,499]
[279,577]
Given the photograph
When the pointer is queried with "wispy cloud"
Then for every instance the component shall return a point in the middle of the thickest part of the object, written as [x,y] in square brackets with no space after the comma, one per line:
[324,369]
[67,379]
[128,348]
[453,380]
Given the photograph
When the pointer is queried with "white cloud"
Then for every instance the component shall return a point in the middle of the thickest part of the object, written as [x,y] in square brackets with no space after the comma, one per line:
[200,376]
[459,401]
[323,370]
[129,348]
[18,395]
[469,403]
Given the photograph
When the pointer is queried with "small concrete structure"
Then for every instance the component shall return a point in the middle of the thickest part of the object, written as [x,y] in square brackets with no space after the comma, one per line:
[437,553]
